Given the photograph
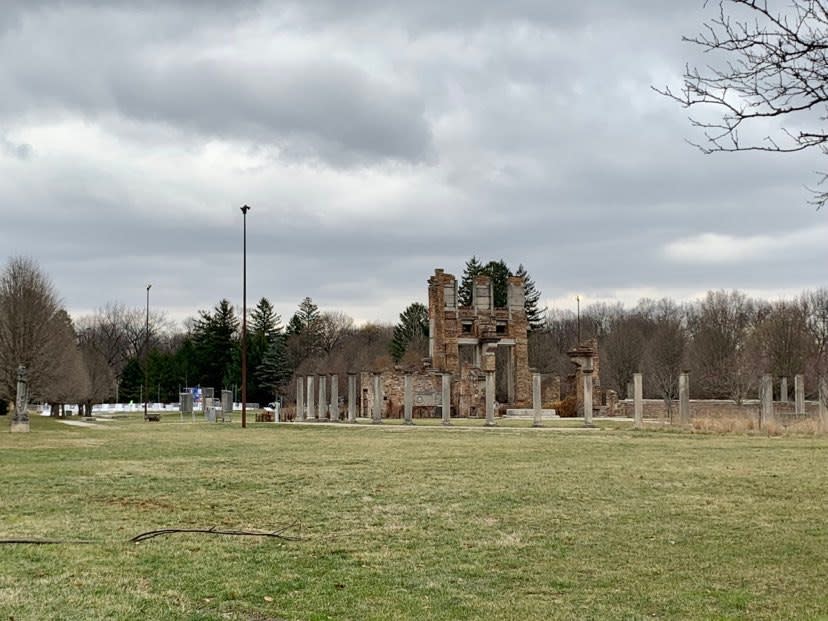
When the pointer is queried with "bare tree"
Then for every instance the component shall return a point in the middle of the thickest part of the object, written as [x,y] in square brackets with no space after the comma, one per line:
[773,64]
[665,350]
[30,329]
[724,359]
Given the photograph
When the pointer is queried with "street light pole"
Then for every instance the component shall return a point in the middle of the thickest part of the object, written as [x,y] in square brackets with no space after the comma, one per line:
[578,299]
[146,357]
[244,210]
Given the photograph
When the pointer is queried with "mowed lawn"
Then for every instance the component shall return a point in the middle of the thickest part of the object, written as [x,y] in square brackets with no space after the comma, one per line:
[412,523]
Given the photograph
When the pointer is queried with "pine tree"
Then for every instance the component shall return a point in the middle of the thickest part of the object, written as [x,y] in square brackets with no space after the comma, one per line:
[265,327]
[215,340]
[275,370]
[534,314]
[413,324]
[464,292]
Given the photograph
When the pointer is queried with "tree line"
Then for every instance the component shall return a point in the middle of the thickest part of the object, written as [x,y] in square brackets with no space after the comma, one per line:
[726,340]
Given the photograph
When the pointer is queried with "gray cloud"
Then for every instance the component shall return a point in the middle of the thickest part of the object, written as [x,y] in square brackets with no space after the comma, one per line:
[376,141]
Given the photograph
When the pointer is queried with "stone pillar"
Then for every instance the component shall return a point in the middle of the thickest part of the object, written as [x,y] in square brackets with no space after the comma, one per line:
[446,399]
[311,397]
[684,399]
[490,398]
[766,400]
[799,394]
[226,401]
[322,408]
[631,389]
[823,404]
[376,411]
[20,420]
[536,400]
[783,390]
[587,374]
[300,400]
[408,399]
[638,400]
[352,397]
[334,409]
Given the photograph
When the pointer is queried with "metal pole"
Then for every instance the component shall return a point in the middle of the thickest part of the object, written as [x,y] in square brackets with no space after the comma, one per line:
[578,300]
[146,356]
[244,210]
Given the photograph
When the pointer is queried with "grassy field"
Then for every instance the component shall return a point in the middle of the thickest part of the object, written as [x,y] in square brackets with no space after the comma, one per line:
[412,523]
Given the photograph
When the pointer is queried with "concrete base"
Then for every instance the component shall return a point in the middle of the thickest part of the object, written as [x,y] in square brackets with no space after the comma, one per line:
[408,422]
[20,427]
[530,413]
[447,423]
[487,424]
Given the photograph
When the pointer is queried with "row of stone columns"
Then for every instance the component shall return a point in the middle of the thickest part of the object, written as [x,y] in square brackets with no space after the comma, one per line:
[323,409]
[683,400]
[766,411]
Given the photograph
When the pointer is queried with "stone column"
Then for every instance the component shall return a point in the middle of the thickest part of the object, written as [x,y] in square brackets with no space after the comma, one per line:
[20,420]
[587,374]
[766,400]
[446,399]
[490,398]
[638,400]
[684,399]
[783,390]
[408,399]
[300,399]
[536,400]
[352,397]
[376,411]
[823,404]
[334,409]
[322,408]
[311,397]
[799,394]
[631,389]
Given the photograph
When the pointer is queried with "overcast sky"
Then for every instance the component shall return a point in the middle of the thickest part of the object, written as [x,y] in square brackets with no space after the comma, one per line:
[376,141]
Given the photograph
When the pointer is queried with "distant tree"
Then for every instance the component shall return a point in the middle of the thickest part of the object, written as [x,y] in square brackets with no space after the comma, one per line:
[499,274]
[413,324]
[531,304]
[215,338]
[331,327]
[771,65]
[622,351]
[783,339]
[465,291]
[723,362]
[32,330]
[265,327]
[274,371]
[665,350]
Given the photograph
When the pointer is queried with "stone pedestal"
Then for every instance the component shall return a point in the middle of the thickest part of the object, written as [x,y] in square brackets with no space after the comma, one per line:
[322,409]
[684,399]
[783,390]
[352,397]
[766,400]
[587,373]
[490,398]
[376,411]
[408,399]
[311,396]
[20,419]
[446,399]
[799,394]
[334,407]
[638,400]
[301,415]
[537,420]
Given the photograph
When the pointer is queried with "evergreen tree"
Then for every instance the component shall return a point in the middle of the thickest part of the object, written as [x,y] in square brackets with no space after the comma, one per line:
[275,369]
[215,339]
[305,318]
[464,292]
[265,327]
[413,323]
[534,313]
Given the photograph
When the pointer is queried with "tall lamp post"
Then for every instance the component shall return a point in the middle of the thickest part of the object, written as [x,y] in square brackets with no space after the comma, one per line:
[244,210]
[146,356]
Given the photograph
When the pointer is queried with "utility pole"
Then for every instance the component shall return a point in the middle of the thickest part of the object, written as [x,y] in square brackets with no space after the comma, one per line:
[146,357]
[244,210]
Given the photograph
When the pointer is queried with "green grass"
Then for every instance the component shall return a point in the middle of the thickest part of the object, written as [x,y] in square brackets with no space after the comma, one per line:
[412,523]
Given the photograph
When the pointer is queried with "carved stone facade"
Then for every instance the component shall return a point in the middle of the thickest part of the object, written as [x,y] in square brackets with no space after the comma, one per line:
[480,337]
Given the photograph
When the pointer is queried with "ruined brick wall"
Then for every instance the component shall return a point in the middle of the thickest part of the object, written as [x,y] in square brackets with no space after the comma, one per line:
[714,408]
[427,387]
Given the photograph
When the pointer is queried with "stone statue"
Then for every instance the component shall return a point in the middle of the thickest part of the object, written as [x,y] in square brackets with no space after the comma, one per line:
[20,421]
